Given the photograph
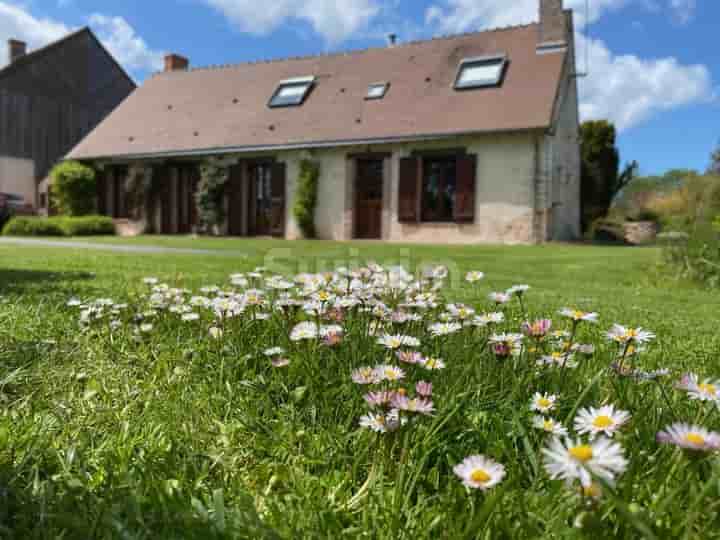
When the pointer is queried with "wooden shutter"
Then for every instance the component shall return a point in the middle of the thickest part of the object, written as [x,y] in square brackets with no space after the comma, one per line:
[277,192]
[465,189]
[101,186]
[408,192]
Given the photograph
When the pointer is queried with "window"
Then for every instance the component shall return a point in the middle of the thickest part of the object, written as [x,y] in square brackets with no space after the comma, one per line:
[438,189]
[377,90]
[480,72]
[292,92]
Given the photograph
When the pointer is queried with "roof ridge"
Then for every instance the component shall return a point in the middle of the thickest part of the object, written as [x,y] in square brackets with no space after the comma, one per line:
[28,57]
[351,52]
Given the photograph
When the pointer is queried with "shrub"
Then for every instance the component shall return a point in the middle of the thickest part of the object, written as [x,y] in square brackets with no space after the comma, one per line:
[59,226]
[73,188]
[306,197]
[33,226]
[210,193]
[607,229]
[87,225]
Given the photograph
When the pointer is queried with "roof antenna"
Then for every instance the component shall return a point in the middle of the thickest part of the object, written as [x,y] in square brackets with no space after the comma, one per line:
[392,40]
[585,73]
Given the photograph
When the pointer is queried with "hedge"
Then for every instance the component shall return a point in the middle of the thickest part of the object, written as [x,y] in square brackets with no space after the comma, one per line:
[59,226]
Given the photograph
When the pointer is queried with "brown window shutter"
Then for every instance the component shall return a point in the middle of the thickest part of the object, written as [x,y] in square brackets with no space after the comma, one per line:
[277,188]
[465,189]
[408,192]
[101,186]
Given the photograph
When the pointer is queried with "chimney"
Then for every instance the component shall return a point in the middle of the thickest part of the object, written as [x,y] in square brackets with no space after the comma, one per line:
[391,40]
[16,49]
[553,22]
[175,62]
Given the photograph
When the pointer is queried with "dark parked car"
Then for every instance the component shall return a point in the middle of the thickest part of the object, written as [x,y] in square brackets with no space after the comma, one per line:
[12,204]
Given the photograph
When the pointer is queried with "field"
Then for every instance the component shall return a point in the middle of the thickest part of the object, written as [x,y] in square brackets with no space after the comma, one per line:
[155,413]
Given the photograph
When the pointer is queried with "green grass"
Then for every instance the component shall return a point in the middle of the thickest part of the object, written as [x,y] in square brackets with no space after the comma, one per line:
[177,435]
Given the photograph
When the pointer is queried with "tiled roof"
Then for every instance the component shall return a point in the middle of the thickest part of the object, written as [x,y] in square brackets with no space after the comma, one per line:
[225,108]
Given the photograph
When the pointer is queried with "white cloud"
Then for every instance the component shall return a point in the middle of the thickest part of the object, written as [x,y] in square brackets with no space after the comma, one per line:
[454,16]
[124,44]
[334,20]
[626,89]
[16,23]
[629,90]
[683,10]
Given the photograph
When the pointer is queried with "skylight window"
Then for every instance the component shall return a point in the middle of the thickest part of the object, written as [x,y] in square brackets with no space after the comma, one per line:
[292,92]
[377,90]
[480,72]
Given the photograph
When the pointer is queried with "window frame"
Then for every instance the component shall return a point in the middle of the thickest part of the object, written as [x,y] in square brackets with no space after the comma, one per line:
[385,87]
[466,63]
[307,82]
[449,213]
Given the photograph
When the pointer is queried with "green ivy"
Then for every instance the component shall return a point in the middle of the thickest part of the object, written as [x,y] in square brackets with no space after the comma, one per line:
[306,197]
[210,193]
[73,188]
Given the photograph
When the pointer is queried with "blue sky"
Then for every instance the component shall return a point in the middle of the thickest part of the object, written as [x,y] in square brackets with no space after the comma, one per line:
[654,65]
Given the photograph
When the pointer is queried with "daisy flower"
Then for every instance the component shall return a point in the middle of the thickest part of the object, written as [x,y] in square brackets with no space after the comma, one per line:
[518,290]
[189,317]
[146,328]
[557,358]
[460,311]
[499,297]
[389,373]
[606,420]
[549,425]
[304,330]
[433,364]
[397,341]
[379,399]
[444,329]
[150,281]
[624,335]
[576,315]
[707,390]
[409,357]
[690,437]
[536,329]
[488,318]
[543,402]
[418,405]
[379,422]
[569,459]
[479,472]
[365,375]
[474,276]
[279,362]
[274,351]
[424,388]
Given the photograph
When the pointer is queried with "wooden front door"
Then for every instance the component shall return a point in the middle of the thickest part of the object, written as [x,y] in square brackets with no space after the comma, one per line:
[266,201]
[368,198]
[235,201]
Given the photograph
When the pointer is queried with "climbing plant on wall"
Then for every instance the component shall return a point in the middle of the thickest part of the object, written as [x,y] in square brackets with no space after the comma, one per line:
[306,197]
[210,195]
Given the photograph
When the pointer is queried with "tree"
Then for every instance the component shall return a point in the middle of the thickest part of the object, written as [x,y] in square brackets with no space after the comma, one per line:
[715,161]
[73,188]
[602,178]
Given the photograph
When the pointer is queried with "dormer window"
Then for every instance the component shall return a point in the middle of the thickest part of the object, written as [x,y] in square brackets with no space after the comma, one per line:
[480,72]
[377,90]
[292,92]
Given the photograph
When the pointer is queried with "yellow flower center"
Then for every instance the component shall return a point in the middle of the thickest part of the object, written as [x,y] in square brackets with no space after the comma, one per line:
[695,438]
[544,403]
[548,425]
[602,422]
[557,354]
[480,476]
[593,490]
[582,453]
[390,374]
[578,314]
[707,388]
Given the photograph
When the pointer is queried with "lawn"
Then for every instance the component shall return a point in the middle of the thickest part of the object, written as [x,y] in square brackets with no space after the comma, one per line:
[143,421]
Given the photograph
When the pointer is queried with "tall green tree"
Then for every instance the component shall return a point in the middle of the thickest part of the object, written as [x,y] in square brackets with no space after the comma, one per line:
[602,178]
[715,161]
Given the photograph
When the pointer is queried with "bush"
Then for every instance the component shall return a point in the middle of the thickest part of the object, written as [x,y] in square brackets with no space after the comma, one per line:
[32,226]
[59,226]
[644,214]
[607,229]
[694,256]
[73,188]
[306,197]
